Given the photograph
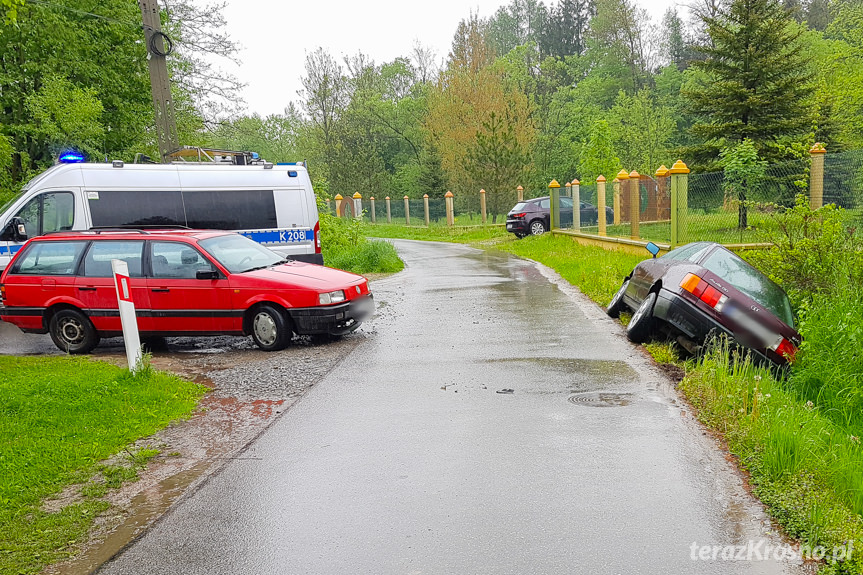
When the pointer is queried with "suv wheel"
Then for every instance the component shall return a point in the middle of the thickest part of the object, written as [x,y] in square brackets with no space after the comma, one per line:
[537,228]
[269,328]
[72,332]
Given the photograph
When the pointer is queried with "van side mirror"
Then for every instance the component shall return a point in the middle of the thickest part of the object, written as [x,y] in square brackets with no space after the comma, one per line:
[652,248]
[14,231]
[207,275]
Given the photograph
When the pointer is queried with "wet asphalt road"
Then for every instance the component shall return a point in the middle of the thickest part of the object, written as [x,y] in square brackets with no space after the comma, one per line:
[407,458]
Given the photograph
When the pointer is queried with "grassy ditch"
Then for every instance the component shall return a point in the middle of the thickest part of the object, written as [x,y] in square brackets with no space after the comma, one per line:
[438,232]
[60,417]
[345,246]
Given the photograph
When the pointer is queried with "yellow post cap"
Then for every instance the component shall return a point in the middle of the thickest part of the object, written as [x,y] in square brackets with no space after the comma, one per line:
[575,182]
[601,178]
[661,171]
[568,184]
[633,175]
[679,168]
[554,184]
[407,198]
[372,198]
[482,191]
[357,196]
[339,197]
[448,194]
[386,198]
[425,195]
[622,175]
[818,148]
[520,189]
[615,181]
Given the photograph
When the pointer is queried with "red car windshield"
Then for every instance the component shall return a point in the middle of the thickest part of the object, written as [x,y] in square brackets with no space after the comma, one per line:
[751,282]
[240,254]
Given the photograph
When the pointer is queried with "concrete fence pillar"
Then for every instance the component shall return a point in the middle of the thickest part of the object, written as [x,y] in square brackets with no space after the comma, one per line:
[389,211]
[407,211]
[426,207]
[634,203]
[576,204]
[519,191]
[679,203]
[450,211]
[615,206]
[568,187]
[600,204]
[482,206]
[554,195]
[816,176]
[340,213]
[622,197]
[372,208]
[358,206]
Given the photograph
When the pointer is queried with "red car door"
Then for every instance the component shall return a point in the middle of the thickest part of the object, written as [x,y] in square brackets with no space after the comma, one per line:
[95,284]
[182,303]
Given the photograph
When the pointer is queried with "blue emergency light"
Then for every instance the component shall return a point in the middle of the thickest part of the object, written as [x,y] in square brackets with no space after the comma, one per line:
[72,157]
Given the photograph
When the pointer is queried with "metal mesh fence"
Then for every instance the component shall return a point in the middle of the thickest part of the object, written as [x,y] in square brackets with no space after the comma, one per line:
[843,183]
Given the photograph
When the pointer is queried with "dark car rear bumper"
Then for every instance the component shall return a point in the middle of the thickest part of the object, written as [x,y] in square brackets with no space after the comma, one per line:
[517,226]
[334,319]
[695,324]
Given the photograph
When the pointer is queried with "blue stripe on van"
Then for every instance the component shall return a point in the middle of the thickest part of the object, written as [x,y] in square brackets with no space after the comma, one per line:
[4,251]
[284,237]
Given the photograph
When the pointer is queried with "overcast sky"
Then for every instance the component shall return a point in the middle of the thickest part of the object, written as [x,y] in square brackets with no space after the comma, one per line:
[276,35]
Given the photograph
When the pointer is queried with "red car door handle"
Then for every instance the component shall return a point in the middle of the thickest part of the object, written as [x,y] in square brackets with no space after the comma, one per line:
[165,290]
[87,288]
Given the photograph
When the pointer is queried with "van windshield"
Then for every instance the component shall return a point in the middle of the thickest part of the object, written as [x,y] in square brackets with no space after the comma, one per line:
[240,254]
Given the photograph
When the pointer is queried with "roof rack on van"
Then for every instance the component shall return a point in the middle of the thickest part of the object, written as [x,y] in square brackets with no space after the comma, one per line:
[216,156]
[143,229]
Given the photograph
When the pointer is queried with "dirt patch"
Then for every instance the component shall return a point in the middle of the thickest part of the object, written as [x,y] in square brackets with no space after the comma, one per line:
[249,390]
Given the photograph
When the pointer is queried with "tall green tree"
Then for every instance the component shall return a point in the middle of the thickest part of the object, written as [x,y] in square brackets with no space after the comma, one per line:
[755,82]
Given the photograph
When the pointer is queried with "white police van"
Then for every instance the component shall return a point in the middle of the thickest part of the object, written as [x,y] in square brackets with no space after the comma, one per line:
[273,204]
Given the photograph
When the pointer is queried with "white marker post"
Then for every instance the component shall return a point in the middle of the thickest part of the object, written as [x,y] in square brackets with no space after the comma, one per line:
[127,314]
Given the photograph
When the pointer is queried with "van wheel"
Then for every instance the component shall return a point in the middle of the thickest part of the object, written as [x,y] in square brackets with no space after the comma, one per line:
[270,329]
[72,332]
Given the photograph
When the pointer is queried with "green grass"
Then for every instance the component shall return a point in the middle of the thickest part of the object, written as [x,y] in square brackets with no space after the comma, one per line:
[59,418]
[365,257]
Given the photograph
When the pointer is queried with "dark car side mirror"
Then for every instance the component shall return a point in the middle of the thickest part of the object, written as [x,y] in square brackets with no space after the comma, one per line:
[652,248]
[207,275]
[14,231]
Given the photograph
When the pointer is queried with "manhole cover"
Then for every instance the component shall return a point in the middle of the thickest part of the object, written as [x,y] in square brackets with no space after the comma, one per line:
[601,399]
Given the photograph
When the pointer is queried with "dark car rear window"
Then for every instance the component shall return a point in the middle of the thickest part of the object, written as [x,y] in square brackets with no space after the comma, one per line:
[519,206]
[751,282]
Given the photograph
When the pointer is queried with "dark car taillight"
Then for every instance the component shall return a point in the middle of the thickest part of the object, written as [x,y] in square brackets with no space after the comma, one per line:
[785,348]
[518,216]
[704,291]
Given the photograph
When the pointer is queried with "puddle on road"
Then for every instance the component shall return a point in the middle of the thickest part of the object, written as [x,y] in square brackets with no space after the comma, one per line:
[144,509]
[544,376]
[602,399]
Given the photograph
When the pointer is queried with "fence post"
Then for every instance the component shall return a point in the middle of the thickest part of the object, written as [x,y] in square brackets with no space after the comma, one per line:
[407,211]
[482,206]
[554,196]
[679,203]
[450,212]
[339,199]
[568,187]
[622,197]
[372,208]
[426,207]
[600,204]
[615,185]
[662,193]
[634,203]
[520,193]
[576,204]
[358,206]
[389,212]
[816,176]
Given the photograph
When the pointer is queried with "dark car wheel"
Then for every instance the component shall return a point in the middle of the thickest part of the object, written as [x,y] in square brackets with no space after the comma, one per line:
[616,305]
[269,328]
[72,332]
[641,323]
[537,228]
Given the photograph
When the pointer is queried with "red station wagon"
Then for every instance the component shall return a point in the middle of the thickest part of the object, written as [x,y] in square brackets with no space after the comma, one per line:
[183,283]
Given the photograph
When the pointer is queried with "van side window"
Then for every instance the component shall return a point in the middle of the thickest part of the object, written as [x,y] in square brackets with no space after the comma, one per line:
[177,261]
[157,208]
[50,212]
[50,259]
[97,262]
[230,210]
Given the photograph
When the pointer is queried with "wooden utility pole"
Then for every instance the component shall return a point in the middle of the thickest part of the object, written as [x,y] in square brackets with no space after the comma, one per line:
[160,83]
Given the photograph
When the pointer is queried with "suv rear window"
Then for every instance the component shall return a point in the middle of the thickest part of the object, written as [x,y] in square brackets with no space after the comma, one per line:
[50,259]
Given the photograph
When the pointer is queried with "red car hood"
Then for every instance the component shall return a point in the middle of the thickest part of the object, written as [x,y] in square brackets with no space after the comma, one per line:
[308,274]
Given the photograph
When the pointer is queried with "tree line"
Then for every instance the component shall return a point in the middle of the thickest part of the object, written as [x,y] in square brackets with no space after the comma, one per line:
[570,89]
